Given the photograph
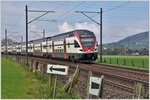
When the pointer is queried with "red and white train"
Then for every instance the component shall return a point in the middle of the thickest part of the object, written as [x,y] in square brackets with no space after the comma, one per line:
[77,45]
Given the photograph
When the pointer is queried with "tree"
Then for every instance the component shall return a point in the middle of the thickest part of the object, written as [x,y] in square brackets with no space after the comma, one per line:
[9,41]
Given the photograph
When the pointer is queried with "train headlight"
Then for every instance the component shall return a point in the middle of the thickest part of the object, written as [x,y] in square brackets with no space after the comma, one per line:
[81,50]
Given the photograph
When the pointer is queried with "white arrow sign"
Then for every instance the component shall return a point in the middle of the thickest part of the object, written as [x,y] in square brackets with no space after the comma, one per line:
[57,69]
[94,87]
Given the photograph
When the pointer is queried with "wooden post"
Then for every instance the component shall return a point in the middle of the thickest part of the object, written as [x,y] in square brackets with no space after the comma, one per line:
[143,63]
[139,91]
[124,61]
[104,60]
[89,75]
[51,82]
[70,85]
[55,85]
[132,63]
[117,61]
[146,95]
[101,88]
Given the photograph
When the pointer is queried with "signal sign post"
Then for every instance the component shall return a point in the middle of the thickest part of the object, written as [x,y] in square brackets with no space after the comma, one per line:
[57,70]
[95,86]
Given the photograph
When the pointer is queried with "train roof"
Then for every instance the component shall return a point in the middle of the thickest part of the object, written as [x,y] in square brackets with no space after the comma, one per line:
[63,33]
[70,32]
[42,39]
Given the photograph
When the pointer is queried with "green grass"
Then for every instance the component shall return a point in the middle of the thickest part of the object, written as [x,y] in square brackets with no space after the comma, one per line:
[13,81]
[133,61]
[18,83]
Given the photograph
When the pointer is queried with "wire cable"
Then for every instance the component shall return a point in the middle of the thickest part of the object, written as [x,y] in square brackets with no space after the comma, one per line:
[117,7]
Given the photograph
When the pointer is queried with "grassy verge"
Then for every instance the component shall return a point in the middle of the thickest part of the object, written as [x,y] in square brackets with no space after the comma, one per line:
[133,61]
[18,82]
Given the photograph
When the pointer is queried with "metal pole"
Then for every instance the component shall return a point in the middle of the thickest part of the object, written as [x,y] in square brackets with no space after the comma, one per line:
[27,34]
[101,35]
[43,33]
[54,90]
[6,40]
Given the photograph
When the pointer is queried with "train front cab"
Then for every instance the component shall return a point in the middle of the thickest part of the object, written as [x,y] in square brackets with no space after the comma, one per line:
[87,41]
[84,48]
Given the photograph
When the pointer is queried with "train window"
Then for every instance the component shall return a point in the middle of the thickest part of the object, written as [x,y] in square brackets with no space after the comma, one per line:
[87,41]
[76,44]
[44,46]
[68,45]
[71,34]
[84,33]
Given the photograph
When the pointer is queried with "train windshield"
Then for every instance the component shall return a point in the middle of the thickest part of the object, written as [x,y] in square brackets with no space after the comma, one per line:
[85,33]
[86,42]
[87,38]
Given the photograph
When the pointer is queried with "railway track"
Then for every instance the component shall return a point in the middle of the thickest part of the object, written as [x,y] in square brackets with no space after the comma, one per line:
[116,77]
[139,74]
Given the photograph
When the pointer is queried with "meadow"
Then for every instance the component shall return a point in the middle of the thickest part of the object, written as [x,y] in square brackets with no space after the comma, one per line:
[18,82]
[131,61]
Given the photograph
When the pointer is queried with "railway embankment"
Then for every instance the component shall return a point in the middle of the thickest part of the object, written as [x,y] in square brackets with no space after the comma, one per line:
[19,82]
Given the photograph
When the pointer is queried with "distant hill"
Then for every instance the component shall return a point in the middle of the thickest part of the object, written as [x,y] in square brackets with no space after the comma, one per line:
[137,41]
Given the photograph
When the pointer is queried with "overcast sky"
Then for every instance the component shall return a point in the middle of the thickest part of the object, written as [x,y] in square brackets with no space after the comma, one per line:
[120,19]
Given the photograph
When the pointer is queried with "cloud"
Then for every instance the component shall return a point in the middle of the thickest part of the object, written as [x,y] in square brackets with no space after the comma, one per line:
[88,26]
[114,32]
[65,27]
[35,32]
[34,28]
[111,32]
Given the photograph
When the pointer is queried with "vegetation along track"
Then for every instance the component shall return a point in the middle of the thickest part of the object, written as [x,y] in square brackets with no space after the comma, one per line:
[120,78]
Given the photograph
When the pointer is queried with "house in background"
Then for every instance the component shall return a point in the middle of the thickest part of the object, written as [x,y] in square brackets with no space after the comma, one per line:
[144,52]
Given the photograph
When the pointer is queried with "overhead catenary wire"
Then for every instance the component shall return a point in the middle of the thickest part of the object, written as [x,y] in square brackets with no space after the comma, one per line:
[22,15]
[113,8]
[16,23]
[87,6]
[124,4]
[66,13]
[58,7]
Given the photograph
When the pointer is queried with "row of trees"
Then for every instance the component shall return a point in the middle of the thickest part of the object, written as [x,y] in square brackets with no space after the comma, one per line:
[117,51]
[9,41]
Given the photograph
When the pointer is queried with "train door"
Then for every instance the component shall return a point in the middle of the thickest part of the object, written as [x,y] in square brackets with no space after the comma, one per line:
[33,50]
[46,47]
[65,54]
[53,55]
[41,49]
